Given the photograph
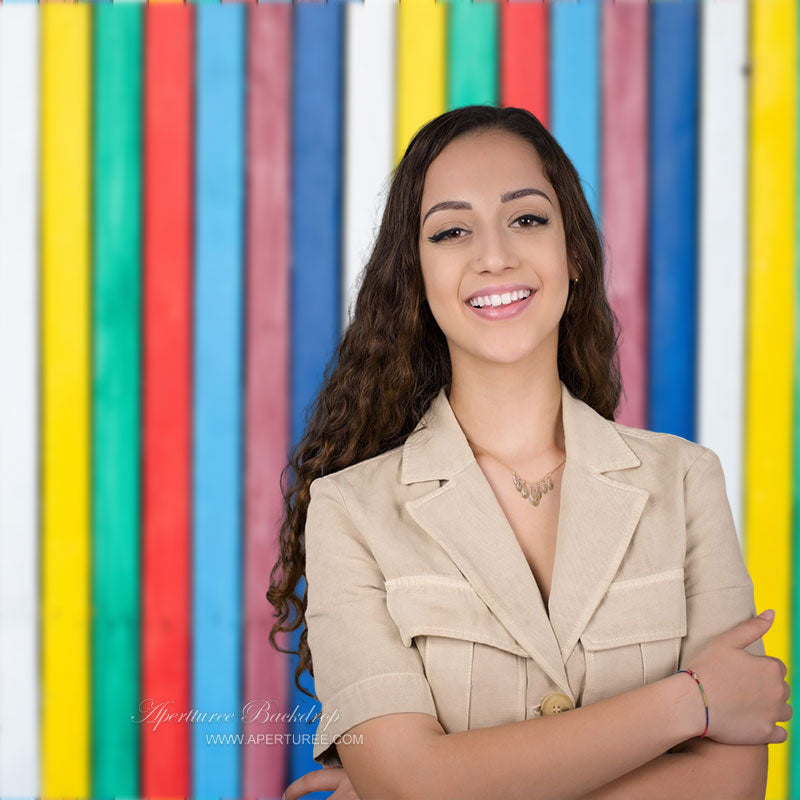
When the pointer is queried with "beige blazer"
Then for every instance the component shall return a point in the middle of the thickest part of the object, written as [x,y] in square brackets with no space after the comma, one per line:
[421,599]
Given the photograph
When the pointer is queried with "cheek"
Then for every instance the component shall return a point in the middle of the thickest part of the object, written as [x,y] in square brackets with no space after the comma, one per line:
[441,289]
[443,311]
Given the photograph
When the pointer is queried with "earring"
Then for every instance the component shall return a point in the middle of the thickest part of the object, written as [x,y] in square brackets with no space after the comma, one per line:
[574,282]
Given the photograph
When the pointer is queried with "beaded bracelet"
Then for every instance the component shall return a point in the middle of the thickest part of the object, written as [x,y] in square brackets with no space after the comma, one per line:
[694,675]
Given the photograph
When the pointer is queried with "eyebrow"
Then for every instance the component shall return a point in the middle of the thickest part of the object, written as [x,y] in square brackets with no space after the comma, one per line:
[461,205]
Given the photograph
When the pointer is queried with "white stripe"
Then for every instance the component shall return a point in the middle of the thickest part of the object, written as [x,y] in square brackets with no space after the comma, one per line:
[369,133]
[722,232]
[19,656]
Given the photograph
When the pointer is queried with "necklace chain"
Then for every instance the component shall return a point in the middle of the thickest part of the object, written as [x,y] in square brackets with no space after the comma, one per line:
[531,491]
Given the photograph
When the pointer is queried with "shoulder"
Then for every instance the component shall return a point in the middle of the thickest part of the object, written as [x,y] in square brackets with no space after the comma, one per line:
[375,475]
[663,451]
[365,501]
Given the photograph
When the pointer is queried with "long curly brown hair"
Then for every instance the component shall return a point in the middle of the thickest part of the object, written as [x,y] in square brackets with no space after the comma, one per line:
[393,358]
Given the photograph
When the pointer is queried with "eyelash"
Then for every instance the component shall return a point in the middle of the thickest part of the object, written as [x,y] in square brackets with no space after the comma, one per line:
[540,218]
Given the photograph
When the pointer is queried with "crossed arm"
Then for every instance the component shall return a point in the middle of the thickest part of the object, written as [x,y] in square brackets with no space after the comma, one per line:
[578,755]
[698,768]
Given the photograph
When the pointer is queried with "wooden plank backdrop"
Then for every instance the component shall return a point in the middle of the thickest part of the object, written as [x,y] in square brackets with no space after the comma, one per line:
[188,193]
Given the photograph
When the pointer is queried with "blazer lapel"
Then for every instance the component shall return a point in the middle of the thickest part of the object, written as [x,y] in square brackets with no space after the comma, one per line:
[597,518]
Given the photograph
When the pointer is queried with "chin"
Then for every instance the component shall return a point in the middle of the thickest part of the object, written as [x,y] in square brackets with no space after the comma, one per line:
[504,348]
[505,355]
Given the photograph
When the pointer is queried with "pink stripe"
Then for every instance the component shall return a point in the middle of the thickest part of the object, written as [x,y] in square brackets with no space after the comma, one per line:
[625,189]
[267,377]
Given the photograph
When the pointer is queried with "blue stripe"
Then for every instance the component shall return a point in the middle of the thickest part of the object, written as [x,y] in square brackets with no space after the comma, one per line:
[218,392]
[316,280]
[575,90]
[673,210]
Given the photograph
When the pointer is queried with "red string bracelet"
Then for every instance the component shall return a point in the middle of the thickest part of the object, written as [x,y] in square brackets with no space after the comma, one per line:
[694,675]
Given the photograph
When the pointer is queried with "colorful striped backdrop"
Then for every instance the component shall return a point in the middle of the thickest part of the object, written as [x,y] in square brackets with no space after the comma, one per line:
[187,195]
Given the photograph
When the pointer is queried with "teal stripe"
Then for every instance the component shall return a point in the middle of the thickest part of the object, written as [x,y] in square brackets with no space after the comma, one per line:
[472,53]
[575,90]
[115,398]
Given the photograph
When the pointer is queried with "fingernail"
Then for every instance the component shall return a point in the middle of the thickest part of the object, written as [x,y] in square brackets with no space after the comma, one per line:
[768,614]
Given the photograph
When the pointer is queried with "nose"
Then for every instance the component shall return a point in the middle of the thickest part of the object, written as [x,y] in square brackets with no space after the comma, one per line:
[494,250]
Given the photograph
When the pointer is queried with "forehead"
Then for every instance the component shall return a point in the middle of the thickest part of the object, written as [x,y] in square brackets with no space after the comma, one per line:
[489,162]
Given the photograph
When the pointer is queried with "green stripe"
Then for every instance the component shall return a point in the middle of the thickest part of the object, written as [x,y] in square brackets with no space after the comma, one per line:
[115,401]
[472,44]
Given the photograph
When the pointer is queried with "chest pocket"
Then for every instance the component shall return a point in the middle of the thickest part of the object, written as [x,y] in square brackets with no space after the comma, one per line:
[634,636]
[475,668]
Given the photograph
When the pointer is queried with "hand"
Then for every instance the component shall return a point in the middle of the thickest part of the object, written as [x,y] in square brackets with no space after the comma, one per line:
[327,779]
[747,694]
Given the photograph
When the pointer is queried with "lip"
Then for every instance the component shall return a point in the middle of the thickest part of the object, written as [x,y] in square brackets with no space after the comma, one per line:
[502,312]
[499,288]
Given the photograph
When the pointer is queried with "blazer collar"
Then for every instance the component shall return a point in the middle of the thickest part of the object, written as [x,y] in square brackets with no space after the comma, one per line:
[597,518]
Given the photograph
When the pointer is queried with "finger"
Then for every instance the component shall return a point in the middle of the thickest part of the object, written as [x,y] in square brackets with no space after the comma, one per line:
[295,789]
[779,735]
[318,780]
[747,632]
[344,792]
[326,779]
[782,665]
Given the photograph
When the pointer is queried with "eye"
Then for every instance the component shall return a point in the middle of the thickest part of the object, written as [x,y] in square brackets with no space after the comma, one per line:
[444,235]
[539,218]
[533,221]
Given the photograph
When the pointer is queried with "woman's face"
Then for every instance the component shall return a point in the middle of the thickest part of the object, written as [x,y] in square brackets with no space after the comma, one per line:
[498,229]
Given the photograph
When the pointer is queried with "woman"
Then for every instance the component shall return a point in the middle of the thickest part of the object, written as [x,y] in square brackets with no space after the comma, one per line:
[484,547]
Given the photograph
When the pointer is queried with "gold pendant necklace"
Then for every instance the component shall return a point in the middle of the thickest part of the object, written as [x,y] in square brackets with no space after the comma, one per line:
[530,491]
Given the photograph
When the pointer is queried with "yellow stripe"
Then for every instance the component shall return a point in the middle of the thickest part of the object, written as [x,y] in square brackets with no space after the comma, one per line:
[421,27]
[771,294]
[65,232]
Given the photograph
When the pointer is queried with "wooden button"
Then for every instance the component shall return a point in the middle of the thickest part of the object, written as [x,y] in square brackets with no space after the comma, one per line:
[556,703]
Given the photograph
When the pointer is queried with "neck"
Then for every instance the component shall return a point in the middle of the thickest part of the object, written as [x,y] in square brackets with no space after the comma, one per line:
[518,423]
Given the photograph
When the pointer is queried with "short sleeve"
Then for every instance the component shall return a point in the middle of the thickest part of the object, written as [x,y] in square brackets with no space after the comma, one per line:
[719,589]
[362,669]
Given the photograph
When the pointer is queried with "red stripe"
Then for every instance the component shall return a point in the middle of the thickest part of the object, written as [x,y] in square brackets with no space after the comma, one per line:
[267,377]
[625,189]
[524,59]
[168,129]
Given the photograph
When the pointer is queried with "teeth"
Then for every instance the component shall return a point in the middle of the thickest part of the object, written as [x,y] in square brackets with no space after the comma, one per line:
[499,299]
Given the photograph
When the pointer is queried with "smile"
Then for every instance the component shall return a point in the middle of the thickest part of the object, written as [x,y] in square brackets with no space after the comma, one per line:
[503,310]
